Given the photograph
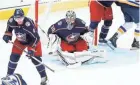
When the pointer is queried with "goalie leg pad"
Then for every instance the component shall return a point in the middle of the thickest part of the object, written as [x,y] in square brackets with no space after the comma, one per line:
[83,56]
[86,55]
[54,42]
[66,58]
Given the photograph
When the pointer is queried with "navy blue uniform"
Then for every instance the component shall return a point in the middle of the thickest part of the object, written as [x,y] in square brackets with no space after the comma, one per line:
[26,34]
[106,3]
[70,35]
[131,13]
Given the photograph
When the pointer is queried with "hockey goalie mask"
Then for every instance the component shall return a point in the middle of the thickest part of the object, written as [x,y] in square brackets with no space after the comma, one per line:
[14,79]
[70,17]
[19,16]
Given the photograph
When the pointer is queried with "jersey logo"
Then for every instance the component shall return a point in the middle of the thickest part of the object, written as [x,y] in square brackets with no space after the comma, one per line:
[21,37]
[73,37]
[27,24]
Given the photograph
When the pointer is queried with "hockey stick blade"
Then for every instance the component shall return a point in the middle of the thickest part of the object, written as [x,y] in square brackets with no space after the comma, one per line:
[75,65]
[69,65]
[63,59]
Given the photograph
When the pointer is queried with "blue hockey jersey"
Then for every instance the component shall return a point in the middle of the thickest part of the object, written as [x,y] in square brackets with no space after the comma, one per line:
[68,33]
[26,33]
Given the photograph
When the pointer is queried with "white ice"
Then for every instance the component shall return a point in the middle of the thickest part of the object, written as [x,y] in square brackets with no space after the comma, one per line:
[122,67]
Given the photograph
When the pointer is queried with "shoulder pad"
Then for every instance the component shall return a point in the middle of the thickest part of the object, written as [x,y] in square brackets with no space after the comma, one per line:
[10,20]
[83,22]
[59,23]
[80,21]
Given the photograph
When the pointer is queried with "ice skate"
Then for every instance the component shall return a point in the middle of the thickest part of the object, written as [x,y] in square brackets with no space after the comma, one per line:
[44,81]
[113,39]
[135,45]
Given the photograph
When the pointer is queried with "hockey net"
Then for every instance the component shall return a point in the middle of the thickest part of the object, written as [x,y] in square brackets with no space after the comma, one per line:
[43,10]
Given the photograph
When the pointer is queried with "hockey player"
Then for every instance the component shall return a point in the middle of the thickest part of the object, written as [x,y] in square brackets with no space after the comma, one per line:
[100,10]
[70,30]
[26,36]
[131,15]
[14,79]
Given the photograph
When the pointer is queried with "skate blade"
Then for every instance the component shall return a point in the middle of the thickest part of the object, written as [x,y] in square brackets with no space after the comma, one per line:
[134,48]
[110,45]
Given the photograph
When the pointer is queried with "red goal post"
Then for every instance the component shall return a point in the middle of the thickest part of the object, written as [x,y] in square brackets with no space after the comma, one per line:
[36,12]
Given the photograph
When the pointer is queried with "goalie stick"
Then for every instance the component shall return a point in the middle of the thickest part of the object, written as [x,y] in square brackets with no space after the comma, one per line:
[73,65]
[68,65]
[63,59]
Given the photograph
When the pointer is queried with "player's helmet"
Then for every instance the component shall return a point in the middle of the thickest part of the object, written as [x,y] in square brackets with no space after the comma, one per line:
[70,16]
[19,16]
[18,13]
[15,79]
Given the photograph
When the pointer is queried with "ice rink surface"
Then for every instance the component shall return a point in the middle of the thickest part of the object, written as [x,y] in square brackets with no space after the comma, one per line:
[122,66]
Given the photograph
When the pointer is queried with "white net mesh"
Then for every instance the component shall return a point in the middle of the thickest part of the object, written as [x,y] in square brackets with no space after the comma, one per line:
[50,11]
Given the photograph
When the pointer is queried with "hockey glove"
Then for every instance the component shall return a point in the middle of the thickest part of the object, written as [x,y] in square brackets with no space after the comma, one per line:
[7,38]
[30,53]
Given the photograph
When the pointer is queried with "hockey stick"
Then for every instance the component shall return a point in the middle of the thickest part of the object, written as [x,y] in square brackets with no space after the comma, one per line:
[63,59]
[77,64]
[68,65]
[59,53]
[43,31]
[45,34]
[33,57]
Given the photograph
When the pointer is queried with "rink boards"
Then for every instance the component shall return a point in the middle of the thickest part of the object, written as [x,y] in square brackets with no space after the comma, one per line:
[5,13]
